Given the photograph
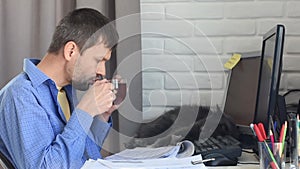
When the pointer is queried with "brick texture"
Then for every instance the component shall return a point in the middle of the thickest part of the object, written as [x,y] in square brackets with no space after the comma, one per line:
[186,43]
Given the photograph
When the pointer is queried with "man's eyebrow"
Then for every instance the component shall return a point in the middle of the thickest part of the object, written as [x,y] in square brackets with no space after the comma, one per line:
[106,56]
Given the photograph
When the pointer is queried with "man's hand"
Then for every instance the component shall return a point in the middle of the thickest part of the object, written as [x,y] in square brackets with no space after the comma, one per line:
[105,116]
[98,99]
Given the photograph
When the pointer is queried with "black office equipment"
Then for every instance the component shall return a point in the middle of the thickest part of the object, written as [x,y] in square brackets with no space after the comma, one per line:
[281,111]
[241,96]
[225,145]
[241,92]
[219,160]
[298,109]
[270,73]
[292,98]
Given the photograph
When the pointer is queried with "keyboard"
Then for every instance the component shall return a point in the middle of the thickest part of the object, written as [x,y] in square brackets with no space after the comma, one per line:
[226,145]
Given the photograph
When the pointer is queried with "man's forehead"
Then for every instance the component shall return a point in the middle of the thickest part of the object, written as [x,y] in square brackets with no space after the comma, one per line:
[99,48]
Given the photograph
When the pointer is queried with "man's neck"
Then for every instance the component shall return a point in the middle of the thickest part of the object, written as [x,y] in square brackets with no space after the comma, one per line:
[54,66]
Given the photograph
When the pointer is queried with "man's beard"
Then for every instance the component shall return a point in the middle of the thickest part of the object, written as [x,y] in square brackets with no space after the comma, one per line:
[81,84]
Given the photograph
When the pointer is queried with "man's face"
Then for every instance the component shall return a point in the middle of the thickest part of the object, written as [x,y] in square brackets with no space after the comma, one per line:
[88,65]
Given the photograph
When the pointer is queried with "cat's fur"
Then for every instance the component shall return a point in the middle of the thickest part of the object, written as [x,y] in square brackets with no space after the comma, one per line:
[185,122]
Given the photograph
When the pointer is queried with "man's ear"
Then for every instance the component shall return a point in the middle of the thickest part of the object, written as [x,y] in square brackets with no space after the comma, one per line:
[70,50]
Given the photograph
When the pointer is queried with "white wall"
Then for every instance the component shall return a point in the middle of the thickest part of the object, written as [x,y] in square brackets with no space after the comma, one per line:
[184,40]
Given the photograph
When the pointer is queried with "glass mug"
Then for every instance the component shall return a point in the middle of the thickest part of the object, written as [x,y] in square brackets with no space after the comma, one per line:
[119,86]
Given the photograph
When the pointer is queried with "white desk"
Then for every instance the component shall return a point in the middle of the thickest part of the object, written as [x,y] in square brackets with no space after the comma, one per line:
[245,158]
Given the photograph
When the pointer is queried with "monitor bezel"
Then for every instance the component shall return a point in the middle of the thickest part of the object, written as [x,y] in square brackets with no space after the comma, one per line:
[279,32]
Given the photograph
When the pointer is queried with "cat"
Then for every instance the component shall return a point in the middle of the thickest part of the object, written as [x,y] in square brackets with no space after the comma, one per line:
[183,123]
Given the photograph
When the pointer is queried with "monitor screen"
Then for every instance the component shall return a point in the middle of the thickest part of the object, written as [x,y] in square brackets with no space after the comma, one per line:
[270,73]
[242,90]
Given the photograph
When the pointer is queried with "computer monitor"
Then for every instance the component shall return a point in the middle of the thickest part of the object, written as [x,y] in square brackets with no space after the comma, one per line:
[298,108]
[269,76]
[241,92]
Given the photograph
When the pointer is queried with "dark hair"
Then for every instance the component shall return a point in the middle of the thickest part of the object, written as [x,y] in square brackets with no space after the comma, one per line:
[84,26]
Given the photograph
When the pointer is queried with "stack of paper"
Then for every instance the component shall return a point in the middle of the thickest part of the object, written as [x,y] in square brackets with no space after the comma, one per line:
[141,153]
[182,149]
[161,163]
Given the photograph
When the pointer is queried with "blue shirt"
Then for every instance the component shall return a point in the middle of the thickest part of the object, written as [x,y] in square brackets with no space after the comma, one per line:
[33,130]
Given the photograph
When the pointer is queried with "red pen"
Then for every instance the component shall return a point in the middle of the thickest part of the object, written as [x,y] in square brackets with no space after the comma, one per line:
[262,130]
[273,165]
[281,133]
[258,134]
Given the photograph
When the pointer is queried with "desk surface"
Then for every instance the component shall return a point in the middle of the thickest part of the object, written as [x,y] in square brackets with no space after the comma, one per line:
[245,158]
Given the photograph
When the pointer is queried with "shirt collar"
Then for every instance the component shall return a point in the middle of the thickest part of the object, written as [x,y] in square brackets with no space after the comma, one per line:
[36,76]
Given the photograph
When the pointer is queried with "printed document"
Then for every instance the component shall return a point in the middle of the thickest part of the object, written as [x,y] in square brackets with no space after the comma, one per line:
[182,149]
[161,163]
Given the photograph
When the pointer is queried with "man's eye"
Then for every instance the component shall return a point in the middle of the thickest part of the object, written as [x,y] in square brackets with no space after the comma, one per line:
[98,60]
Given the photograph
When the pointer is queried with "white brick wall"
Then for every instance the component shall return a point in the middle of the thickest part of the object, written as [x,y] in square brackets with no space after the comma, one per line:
[186,42]
[194,10]
[193,45]
[256,9]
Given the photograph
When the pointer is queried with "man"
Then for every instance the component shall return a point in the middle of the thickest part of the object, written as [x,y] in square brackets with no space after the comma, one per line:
[38,129]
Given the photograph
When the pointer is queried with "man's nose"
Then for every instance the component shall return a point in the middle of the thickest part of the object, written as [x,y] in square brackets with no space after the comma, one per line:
[101,69]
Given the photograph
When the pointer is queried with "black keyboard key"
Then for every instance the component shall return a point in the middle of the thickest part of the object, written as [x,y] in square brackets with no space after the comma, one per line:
[226,145]
[232,140]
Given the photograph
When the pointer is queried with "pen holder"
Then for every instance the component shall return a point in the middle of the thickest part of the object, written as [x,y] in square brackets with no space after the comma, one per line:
[293,141]
[272,155]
